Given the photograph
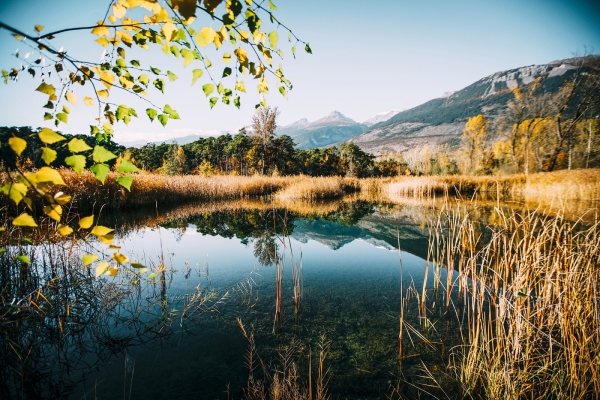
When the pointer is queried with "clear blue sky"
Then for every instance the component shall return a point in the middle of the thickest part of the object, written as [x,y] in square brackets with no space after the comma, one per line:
[368,57]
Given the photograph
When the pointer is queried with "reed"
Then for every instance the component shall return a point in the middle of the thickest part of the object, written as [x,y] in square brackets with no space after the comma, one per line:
[529,294]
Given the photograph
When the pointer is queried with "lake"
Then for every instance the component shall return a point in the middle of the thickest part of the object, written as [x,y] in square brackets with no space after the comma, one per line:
[237,293]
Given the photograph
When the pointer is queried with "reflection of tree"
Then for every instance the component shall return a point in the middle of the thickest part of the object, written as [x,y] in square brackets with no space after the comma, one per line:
[265,249]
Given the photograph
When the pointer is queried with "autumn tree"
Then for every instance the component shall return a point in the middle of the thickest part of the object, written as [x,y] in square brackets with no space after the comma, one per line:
[472,142]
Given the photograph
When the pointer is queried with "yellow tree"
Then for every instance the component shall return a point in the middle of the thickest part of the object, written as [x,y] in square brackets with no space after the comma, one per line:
[472,141]
[185,29]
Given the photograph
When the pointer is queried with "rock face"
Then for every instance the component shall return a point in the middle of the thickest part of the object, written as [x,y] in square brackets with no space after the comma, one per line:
[333,128]
[441,120]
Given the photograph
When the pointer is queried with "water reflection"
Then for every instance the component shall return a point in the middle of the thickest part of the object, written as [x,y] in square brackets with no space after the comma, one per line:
[336,273]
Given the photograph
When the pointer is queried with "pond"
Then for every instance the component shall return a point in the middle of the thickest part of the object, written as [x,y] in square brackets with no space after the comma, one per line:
[238,293]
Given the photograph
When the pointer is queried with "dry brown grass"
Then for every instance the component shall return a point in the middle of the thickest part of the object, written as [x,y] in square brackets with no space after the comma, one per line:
[542,187]
[319,188]
[530,299]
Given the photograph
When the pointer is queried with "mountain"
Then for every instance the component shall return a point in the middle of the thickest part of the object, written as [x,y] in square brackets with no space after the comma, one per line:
[381,117]
[442,120]
[333,128]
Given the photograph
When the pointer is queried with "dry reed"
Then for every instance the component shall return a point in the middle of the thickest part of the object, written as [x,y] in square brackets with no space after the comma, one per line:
[530,301]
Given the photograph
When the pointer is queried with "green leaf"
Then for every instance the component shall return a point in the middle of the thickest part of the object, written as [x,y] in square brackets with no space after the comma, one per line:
[127,167]
[272,6]
[236,102]
[197,73]
[125,181]
[156,71]
[47,116]
[152,275]
[163,118]
[151,112]
[101,154]
[307,48]
[48,155]
[172,113]
[171,76]
[100,171]
[213,101]
[76,162]
[46,89]
[135,63]
[175,51]
[89,258]
[48,136]
[208,88]
[159,84]
[282,90]
[62,117]
[226,72]
[137,265]
[77,145]
[24,259]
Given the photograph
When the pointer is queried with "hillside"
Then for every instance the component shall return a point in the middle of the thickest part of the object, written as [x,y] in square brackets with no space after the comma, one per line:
[441,120]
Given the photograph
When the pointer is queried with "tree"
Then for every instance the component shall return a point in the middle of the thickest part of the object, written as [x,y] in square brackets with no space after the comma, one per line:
[173,27]
[176,162]
[472,141]
[264,124]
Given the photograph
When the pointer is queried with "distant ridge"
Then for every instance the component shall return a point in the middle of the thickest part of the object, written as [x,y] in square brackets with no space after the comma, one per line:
[441,120]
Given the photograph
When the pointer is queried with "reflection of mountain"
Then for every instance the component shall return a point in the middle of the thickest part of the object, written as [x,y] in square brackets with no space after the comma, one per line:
[376,230]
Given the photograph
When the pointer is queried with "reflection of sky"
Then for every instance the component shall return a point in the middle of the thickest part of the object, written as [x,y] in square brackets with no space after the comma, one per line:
[369,57]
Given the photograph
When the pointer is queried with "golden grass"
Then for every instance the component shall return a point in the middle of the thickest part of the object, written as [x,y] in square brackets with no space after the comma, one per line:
[530,298]
[311,189]
[545,187]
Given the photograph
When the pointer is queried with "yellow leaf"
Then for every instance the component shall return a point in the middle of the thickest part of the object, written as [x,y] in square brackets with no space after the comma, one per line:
[39,28]
[239,85]
[102,41]
[24,220]
[89,258]
[71,98]
[17,144]
[103,94]
[169,30]
[206,36]
[112,271]
[107,79]
[112,19]
[244,36]
[47,174]
[118,10]
[86,222]
[62,198]
[54,211]
[114,247]
[126,83]
[120,258]
[219,39]
[100,230]
[64,230]
[226,57]
[107,239]
[48,136]
[101,31]
[16,191]
[125,37]
[88,101]
[242,56]
[101,268]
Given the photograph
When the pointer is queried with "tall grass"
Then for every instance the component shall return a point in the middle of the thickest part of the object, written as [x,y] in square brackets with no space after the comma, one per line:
[529,297]
[542,187]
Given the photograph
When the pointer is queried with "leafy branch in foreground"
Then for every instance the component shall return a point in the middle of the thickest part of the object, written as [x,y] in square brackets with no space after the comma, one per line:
[136,24]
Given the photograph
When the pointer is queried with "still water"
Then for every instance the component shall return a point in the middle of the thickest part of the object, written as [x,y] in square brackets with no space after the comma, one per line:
[292,282]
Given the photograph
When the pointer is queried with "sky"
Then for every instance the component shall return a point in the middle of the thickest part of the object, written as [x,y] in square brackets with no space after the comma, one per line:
[368,58]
